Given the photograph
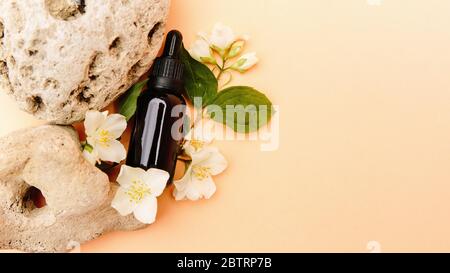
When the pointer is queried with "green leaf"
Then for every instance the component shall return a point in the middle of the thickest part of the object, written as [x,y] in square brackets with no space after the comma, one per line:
[199,81]
[244,109]
[128,104]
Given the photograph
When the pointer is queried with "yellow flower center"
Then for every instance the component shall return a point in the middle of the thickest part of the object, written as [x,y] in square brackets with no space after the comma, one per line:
[197,144]
[138,191]
[104,138]
[201,172]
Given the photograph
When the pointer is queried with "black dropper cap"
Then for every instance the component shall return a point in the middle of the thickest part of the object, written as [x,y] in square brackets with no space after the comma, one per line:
[168,69]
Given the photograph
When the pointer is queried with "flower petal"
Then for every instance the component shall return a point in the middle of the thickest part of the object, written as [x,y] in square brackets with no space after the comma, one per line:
[207,187]
[193,192]
[203,155]
[222,36]
[146,211]
[181,185]
[200,49]
[91,140]
[192,188]
[187,188]
[115,124]
[179,195]
[91,157]
[157,180]
[128,174]
[93,121]
[115,152]
[200,137]
[216,163]
[245,62]
[122,202]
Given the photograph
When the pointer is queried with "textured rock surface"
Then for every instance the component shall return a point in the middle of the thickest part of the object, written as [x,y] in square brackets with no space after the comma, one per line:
[78,195]
[60,58]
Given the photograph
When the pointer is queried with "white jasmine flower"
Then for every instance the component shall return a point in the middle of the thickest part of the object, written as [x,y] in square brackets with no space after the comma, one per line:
[201,51]
[206,162]
[199,138]
[138,192]
[245,62]
[222,37]
[198,183]
[102,131]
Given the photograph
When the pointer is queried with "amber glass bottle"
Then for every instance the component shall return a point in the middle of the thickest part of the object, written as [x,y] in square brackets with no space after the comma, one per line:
[158,130]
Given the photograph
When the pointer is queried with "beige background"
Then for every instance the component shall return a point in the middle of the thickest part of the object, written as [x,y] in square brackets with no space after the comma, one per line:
[364,96]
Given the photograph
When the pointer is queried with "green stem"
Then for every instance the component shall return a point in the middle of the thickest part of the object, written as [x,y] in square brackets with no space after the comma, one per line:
[229,79]
[222,68]
[220,74]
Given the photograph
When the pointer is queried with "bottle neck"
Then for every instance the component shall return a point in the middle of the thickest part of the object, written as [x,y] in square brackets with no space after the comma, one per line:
[176,86]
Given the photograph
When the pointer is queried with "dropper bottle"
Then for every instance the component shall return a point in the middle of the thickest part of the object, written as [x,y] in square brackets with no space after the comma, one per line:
[158,131]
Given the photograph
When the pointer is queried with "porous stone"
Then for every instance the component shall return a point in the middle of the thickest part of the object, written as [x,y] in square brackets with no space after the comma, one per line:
[78,195]
[61,58]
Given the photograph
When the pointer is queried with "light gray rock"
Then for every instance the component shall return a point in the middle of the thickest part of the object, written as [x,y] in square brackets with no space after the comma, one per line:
[60,58]
[78,195]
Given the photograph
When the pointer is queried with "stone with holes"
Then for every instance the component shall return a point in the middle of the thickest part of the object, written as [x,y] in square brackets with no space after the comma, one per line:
[78,195]
[60,58]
